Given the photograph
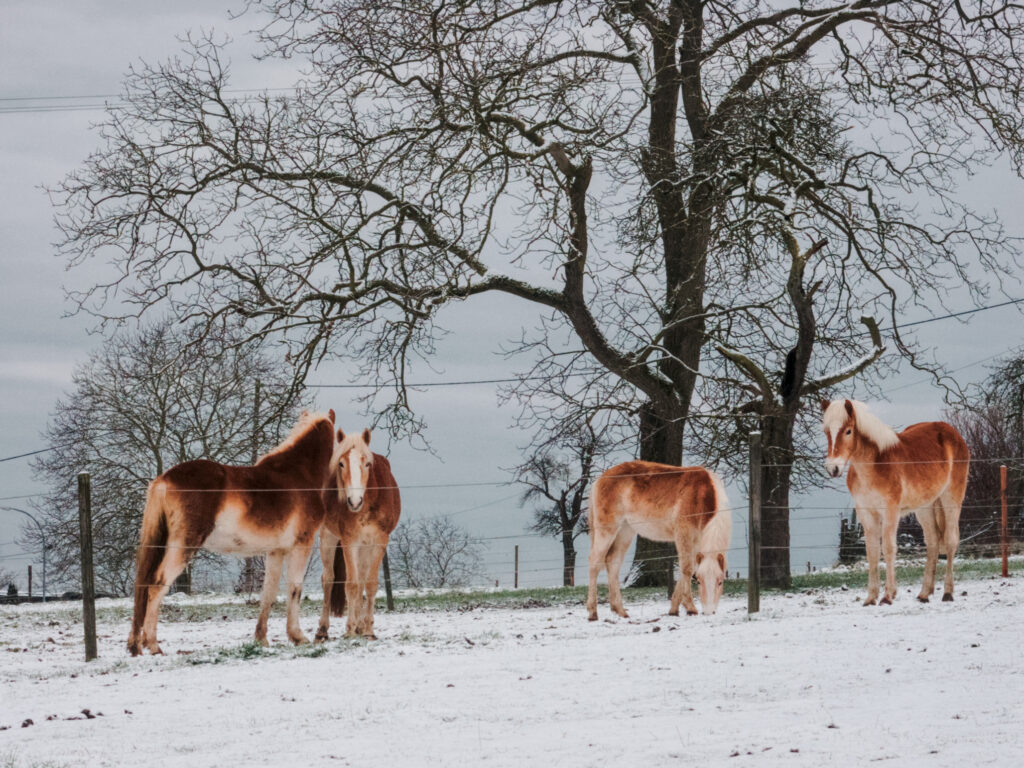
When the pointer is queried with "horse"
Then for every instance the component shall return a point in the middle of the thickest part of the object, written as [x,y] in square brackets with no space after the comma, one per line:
[922,470]
[363,505]
[685,505]
[272,508]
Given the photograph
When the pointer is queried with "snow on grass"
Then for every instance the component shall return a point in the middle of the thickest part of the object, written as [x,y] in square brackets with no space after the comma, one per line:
[814,679]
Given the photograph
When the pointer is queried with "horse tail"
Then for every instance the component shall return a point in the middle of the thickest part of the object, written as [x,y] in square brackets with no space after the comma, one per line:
[715,535]
[338,588]
[152,544]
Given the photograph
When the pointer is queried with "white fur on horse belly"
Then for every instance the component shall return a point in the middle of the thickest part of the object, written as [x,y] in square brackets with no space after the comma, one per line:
[230,536]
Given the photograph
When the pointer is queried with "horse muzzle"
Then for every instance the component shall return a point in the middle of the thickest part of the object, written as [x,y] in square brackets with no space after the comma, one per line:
[355,504]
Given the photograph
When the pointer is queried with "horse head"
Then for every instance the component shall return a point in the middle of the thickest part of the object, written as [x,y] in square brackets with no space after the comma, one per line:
[710,580]
[839,422]
[352,462]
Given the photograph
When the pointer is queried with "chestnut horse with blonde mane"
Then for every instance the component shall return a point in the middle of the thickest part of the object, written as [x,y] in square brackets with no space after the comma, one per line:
[363,506]
[922,470]
[685,505]
[272,508]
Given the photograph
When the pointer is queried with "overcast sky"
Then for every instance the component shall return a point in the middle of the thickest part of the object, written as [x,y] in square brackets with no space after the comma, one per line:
[82,49]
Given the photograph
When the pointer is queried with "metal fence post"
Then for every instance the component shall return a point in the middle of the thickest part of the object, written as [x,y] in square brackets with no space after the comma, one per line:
[1004,528]
[754,539]
[515,583]
[88,582]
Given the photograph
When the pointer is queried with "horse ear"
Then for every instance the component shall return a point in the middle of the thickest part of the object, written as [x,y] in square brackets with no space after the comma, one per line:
[700,557]
[721,561]
[366,435]
[330,415]
[849,408]
[824,404]
[341,435]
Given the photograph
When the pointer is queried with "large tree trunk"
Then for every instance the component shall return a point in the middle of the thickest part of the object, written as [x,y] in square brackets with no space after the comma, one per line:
[777,465]
[660,441]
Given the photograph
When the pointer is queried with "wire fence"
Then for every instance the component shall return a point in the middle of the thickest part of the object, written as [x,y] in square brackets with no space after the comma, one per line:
[825,542]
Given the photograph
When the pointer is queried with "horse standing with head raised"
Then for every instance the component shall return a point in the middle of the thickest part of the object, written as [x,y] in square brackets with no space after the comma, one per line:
[272,508]
[363,506]
[685,505]
[922,470]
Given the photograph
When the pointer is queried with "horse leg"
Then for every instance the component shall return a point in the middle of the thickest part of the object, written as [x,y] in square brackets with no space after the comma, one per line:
[890,522]
[601,541]
[951,513]
[371,578]
[328,541]
[683,592]
[927,518]
[297,560]
[872,542]
[271,581]
[354,586]
[613,563]
[176,558]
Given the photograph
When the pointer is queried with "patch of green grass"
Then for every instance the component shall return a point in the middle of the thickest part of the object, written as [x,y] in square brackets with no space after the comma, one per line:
[244,652]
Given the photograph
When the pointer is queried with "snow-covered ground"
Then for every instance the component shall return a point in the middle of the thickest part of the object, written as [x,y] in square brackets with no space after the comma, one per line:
[814,679]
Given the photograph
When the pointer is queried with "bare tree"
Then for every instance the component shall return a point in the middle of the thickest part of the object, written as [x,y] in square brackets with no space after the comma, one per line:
[992,424]
[434,552]
[7,579]
[144,401]
[579,156]
[557,478]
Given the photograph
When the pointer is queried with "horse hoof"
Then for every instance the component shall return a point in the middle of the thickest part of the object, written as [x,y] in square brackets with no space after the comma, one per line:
[922,598]
[947,598]
[869,601]
[691,612]
[262,641]
[300,640]
[674,613]
[885,601]
[592,617]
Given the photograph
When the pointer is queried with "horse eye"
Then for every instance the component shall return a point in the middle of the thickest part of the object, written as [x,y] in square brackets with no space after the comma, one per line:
[849,431]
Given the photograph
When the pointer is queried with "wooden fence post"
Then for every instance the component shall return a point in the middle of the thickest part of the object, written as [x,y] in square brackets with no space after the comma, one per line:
[754,538]
[88,582]
[30,583]
[387,583]
[1004,528]
[515,584]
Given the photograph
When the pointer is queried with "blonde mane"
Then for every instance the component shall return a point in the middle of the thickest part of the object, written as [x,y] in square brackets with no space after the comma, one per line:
[714,539]
[352,440]
[869,425]
[305,422]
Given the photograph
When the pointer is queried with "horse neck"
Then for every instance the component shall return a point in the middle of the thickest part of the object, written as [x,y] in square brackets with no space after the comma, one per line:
[868,452]
[306,454]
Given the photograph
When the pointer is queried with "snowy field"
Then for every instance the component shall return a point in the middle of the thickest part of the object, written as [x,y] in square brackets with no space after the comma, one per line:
[813,680]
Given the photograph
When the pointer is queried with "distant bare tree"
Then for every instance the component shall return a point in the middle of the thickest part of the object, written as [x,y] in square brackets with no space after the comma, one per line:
[993,426]
[6,578]
[434,552]
[145,401]
[557,479]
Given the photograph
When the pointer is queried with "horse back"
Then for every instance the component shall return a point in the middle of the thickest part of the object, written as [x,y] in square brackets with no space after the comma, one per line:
[658,499]
[931,456]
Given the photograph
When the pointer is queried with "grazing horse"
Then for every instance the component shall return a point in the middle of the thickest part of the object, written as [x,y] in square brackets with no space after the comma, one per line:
[363,505]
[272,508]
[686,505]
[921,470]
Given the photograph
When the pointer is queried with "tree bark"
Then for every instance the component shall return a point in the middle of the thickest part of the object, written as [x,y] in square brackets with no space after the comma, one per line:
[660,441]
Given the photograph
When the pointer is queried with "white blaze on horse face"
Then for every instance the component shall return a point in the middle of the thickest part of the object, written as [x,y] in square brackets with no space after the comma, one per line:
[355,488]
